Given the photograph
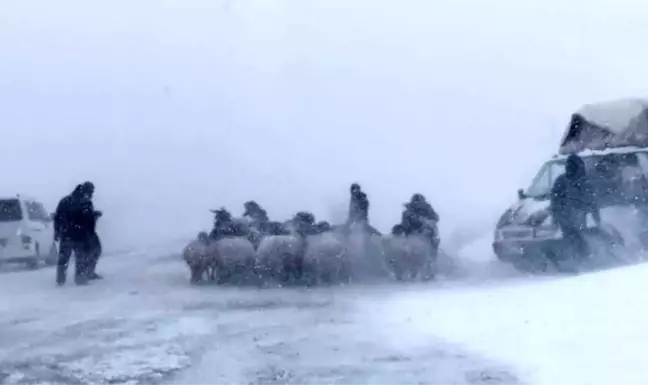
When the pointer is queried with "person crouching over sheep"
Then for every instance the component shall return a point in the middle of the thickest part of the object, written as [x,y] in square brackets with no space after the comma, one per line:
[259,225]
[357,228]
[420,218]
[226,226]
[359,211]
[303,224]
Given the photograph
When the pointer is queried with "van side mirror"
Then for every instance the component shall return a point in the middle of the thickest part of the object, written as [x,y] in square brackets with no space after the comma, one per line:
[521,194]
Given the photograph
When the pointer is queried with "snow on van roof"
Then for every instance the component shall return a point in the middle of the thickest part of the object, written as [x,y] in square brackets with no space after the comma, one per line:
[615,115]
[17,196]
[612,124]
[616,150]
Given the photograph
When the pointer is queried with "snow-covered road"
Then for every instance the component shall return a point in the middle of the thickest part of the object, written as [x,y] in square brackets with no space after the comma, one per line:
[145,324]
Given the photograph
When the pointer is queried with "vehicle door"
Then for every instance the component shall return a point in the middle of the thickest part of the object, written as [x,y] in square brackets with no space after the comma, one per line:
[40,225]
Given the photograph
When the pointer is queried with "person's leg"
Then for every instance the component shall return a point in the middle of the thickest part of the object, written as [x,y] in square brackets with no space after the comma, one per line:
[93,258]
[81,259]
[65,252]
[575,241]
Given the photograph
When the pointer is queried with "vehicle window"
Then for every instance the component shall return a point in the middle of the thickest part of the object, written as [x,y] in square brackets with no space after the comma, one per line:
[10,210]
[36,211]
[544,180]
[642,160]
[619,178]
[556,170]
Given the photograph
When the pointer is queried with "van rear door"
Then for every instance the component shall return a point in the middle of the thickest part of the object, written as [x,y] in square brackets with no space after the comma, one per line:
[11,216]
[39,224]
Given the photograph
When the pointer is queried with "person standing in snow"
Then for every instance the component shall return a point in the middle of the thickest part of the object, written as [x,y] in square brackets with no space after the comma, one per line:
[259,225]
[94,252]
[226,226]
[359,210]
[418,206]
[572,198]
[255,212]
[74,227]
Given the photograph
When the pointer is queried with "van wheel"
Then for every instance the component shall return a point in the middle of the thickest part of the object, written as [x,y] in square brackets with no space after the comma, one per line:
[52,256]
[32,263]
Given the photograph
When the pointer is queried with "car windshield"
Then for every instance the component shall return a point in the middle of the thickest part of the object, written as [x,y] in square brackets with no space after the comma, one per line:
[10,210]
[544,180]
[610,167]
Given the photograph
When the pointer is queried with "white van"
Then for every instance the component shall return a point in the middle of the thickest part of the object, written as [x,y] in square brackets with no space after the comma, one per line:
[26,232]
[612,140]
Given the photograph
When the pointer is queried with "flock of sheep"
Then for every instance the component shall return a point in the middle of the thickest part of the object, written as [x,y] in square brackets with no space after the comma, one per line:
[329,257]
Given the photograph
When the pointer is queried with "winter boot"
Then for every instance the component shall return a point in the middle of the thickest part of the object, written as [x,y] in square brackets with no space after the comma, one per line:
[81,279]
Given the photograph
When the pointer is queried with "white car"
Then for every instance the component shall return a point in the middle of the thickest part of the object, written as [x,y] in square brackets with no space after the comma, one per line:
[26,232]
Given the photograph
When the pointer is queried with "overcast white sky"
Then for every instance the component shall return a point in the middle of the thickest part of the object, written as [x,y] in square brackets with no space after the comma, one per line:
[175,107]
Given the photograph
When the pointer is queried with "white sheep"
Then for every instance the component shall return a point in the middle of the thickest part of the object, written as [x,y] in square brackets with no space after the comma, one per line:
[197,256]
[233,259]
[409,256]
[366,256]
[326,258]
[279,257]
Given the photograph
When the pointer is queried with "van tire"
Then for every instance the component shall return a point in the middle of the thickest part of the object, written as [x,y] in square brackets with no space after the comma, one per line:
[52,255]
[32,263]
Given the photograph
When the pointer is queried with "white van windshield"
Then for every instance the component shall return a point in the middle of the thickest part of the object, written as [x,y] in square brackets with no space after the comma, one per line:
[616,165]
[10,210]
[541,185]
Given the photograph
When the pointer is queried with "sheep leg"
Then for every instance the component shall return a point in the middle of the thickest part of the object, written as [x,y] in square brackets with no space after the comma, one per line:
[290,271]
[224,275]
[196,275]
[344,274]
[427,273]
[398,270]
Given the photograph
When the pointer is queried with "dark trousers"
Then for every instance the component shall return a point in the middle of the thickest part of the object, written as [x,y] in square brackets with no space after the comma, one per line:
[573,234]
[80,250]
[93,253]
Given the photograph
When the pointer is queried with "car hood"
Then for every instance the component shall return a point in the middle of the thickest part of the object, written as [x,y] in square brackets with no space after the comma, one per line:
[519,212]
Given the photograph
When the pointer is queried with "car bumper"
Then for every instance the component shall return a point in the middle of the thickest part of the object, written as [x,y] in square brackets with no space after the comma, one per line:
[14,253]
[510,251]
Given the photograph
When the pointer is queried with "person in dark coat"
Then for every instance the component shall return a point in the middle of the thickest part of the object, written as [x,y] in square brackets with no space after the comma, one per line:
[572,198]
[322,227]
[418,206]
[74,226]
[358,205]
[222,224]
[415,218]
[255,212]
[359,210]
[260,223]
[304,223]
[398,230]
[226,226]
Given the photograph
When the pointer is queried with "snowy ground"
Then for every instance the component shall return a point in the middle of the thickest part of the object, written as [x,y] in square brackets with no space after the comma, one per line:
[145,324]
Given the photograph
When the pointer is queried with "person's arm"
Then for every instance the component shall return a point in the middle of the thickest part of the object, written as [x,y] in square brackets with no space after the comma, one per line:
[58,220]
[556,195]
[594,205]
[433,214]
